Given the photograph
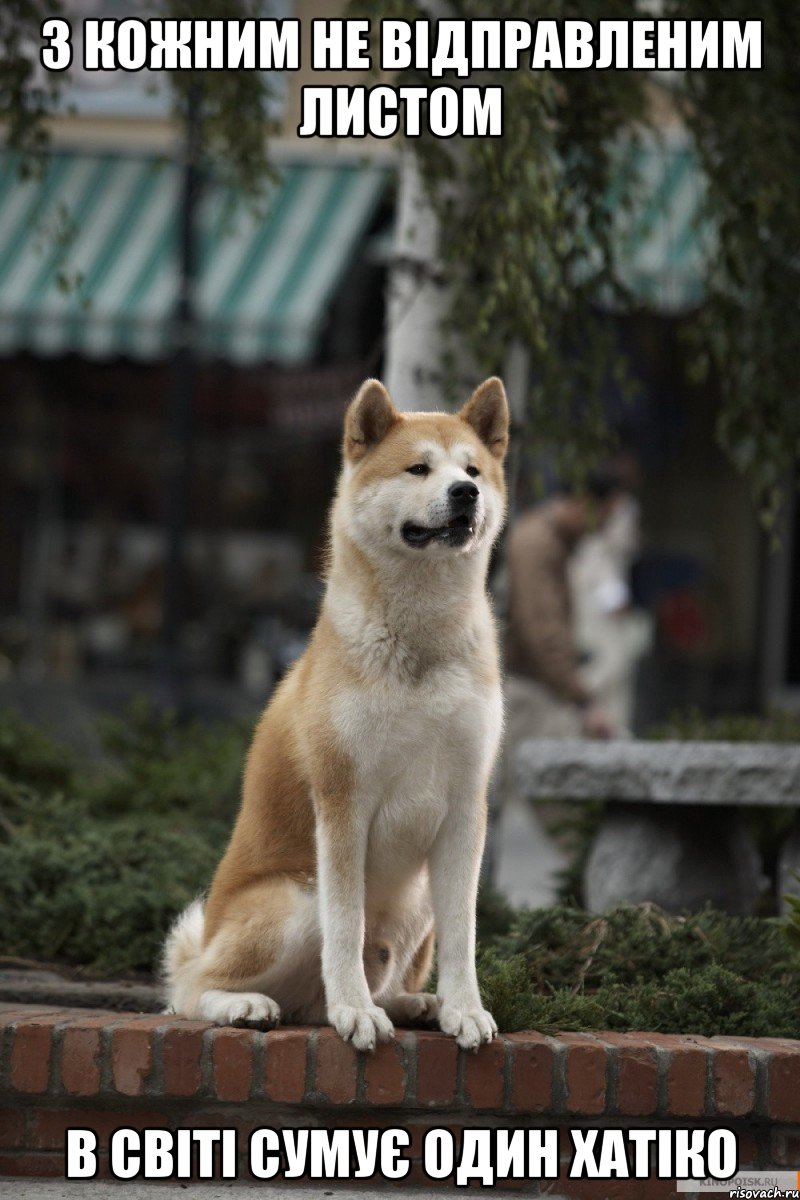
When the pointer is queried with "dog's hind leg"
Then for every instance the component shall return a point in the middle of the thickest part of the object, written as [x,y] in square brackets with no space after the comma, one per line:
[411,1004]
[252,1009]
[419,968]
[262,958]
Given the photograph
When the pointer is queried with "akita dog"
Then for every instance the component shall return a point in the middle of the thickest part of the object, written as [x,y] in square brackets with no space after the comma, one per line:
[363,814]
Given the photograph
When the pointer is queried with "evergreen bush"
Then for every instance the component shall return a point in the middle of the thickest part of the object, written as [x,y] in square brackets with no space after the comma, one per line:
[96,859]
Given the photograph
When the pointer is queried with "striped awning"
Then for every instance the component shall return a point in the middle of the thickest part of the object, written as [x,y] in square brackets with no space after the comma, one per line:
[89,257]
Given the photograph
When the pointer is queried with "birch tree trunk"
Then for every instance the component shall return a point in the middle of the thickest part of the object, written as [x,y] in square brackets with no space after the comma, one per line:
[418,302]
[418,298]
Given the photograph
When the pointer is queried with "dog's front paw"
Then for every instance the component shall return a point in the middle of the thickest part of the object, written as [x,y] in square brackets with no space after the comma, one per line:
[361,1026]
[469,1026]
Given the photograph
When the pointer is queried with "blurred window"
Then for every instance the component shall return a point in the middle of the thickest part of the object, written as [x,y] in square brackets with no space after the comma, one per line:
[141,93]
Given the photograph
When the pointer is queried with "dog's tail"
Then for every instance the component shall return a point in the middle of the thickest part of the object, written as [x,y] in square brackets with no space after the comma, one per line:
[182,950]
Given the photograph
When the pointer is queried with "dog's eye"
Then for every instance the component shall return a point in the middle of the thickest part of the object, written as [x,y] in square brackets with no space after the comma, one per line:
[472,471]
[419,469]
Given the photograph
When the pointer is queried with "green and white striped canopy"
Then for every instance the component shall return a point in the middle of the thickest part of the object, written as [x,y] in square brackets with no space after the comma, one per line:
[89,257]
[89,252]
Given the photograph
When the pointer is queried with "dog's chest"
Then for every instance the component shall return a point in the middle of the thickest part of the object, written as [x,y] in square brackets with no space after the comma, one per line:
[415,751]
[392,731]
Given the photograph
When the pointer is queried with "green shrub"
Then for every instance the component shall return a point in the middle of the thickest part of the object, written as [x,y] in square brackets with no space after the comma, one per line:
[637,968]
[95,863]
[691,725]
[792,923]
[160,765]
[567,947]
[711,1002]
[100,894]
[30,756]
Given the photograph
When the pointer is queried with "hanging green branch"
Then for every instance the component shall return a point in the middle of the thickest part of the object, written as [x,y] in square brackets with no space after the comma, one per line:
[236,105]
[746,128]
[27,96]
[519,214]
[523,216]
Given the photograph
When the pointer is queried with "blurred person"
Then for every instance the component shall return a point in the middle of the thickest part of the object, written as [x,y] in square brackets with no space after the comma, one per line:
[547,695]
[611,634]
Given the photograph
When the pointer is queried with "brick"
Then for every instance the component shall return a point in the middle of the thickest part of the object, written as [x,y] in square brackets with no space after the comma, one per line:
[80,1061]
[10,1013]
[31,1054]
[384,1120]
[595,1189]
[659,1189]
[418,1129]
[437,1064]
[585,1074]
[100,1016]
[747,1145]
[182,1051]
[614,1189]
[785,1147]
[734,1083]
[216,1118]
[385,1073]
[784,1085]
[416,1178]
[505,1186]
[82,1053]
[12,1129]
[484,1084]
[792,1045]
[637,1074]
[232,1063]
[48,1127]
[532,1063]
[24,1165]
[511,1186]
[285,1078]
[132,1058]
[337,1069]
[687,1073]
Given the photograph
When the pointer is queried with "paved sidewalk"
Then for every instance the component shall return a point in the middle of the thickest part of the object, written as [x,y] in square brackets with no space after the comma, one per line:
[527,858]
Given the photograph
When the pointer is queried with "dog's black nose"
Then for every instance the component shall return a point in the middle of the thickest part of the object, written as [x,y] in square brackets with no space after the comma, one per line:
[462,494]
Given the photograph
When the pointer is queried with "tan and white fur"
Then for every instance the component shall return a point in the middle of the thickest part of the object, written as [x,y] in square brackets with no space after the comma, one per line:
[363,814]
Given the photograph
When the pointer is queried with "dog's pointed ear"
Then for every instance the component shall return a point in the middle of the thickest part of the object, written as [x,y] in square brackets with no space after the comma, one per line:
[369,418]
[487,412]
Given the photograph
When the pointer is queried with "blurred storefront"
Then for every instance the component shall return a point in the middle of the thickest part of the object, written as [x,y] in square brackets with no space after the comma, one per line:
[289,304]
[702,568]
[289,309]
[286,317]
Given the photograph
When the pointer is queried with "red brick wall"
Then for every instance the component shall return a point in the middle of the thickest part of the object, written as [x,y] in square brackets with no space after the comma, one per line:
[66,1067]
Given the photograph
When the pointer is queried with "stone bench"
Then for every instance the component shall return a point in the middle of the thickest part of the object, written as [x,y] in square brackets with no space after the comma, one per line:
[672,832]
